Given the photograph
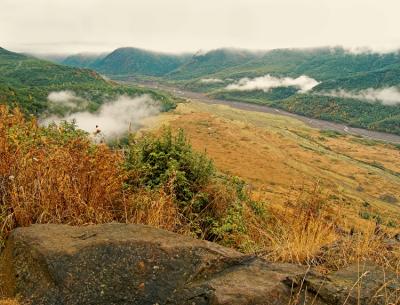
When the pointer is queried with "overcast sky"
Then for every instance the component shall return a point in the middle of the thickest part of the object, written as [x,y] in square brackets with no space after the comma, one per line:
[65,26]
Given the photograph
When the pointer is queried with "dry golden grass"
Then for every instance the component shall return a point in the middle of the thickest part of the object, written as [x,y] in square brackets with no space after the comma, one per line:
[52,179]
[48,180]
[302,229]
[9,302]
[154,208]
[366,150]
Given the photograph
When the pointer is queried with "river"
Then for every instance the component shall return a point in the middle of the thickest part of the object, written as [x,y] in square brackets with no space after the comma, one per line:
[315,123]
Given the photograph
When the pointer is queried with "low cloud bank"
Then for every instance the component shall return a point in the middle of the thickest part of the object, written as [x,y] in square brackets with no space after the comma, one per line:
[387,96]
[113,118]
[211,80]
[268,82]
[386,49]
[66,98]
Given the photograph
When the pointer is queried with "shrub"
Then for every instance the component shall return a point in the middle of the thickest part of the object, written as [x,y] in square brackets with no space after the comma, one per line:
[155,161]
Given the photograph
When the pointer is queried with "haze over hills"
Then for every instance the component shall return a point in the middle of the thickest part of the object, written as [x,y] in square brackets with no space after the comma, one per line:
[202,64]
[320,63]
[129,61]
[84,60]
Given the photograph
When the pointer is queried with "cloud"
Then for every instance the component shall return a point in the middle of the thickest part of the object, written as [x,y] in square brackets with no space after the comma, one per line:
[113,118]
[211,80]
[387,96]
[66,98]
[384,49]
[267,82]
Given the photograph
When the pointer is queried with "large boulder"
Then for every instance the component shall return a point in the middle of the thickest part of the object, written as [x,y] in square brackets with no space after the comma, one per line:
[134,264]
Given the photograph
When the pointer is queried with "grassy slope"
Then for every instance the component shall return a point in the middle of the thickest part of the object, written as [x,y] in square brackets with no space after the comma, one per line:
[279,156]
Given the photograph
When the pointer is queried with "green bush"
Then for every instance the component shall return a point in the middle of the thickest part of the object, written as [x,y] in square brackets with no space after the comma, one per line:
[168,160]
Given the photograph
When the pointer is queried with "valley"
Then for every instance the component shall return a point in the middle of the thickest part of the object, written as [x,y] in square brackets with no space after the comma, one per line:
[316,123]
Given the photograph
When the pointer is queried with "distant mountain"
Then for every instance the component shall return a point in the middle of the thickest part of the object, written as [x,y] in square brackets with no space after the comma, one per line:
[202,64]
[320,63]
[133,61]
[27,81]
[21,70]
[323,64]
[55,58]
[84,60]
[334,68]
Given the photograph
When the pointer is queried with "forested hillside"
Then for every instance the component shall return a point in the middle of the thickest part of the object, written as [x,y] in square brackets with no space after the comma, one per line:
[83,60]
[26,82]
[333,67]
[133,61]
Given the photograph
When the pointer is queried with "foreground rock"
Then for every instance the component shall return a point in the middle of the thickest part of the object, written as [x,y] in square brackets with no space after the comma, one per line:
[363,283]
[135,264]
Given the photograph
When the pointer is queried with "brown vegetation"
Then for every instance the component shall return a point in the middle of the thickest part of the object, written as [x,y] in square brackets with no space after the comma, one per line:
[8,302]
[57,175]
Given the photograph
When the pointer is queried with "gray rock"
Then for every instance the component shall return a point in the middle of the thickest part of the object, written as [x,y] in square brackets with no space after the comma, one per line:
[365,283]
[134,264]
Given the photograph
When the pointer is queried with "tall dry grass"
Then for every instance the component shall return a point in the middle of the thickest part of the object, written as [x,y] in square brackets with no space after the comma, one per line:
[9,302]
[309,230]
[298,231]
[47,175]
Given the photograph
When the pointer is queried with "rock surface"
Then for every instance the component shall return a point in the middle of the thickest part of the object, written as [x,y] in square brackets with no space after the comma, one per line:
[363,283]
[135,264]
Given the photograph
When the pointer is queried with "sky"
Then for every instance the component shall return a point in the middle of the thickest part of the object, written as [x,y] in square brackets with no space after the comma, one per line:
[71,26]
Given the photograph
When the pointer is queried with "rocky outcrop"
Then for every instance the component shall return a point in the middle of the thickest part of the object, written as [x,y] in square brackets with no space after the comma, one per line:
[135,264]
